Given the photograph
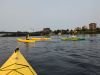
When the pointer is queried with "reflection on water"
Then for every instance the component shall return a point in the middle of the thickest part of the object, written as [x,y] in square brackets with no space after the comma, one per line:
[57,57]
[92,35]
[26,45]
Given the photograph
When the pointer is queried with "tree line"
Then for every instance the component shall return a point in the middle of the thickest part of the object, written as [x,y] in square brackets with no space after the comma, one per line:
[55,32]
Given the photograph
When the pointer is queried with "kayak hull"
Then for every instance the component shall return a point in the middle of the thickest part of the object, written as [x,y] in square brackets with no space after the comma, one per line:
[72,39]
[25,41]
[41,39]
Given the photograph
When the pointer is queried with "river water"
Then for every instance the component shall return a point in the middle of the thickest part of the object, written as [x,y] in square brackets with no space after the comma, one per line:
[56,57]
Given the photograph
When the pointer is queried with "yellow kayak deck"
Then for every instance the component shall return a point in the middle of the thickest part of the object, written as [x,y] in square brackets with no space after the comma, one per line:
[17,65]
[40,39]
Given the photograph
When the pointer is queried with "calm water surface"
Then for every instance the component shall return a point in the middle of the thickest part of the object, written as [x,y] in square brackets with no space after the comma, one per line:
[56,57]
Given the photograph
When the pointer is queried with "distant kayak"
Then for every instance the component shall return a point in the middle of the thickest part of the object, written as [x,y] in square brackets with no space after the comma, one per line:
[26,41]
[17,65]
[40,39]
[72,39]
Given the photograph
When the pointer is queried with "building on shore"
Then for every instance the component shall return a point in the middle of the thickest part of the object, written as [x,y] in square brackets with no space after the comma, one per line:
[46,31]
[92,26]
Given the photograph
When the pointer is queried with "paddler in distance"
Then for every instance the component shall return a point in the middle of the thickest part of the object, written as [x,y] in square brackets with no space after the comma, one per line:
[27,37]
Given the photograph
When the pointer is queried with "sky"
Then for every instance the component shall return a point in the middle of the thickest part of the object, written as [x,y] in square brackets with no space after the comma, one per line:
[34,15]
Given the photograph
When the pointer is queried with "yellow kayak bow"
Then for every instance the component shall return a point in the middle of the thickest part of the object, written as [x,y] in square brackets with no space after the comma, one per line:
[17,65]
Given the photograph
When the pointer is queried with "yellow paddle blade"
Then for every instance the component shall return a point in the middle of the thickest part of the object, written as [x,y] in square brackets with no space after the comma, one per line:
[17,65]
